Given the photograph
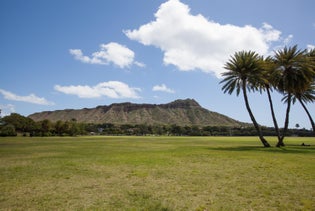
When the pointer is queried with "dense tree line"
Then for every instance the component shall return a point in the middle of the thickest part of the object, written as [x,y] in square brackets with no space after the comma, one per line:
[15,123]
[290,71]
[18,124]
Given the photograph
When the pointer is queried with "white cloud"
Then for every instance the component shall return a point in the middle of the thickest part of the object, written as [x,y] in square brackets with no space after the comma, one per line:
[310,47]
[193,42]
[32,98]
[162,88]
[6,109]
[115,53]
[78,55]
[288,39]
[285,41]
[139,64]
[111,89]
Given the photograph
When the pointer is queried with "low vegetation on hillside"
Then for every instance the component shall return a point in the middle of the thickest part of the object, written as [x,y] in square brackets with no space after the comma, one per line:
[178,112]
[17,124]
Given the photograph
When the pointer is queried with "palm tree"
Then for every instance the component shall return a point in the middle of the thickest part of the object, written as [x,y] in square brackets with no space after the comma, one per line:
[268,83]
[293,75]
[309,95]
[244,73]
[306,97]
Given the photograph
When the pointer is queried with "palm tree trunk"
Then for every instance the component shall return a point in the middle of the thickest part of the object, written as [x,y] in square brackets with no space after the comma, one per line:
[286,122]
[257,127]
[308,114]
[275,123]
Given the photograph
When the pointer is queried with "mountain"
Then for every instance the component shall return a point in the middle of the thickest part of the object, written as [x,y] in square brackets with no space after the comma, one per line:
[179,112]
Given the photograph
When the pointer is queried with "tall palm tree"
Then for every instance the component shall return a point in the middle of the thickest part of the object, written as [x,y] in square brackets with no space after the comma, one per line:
[307,97]
[268,83]
[244,73]
[294,74]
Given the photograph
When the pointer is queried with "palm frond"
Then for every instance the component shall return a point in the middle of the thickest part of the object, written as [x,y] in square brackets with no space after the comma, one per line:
[294,70]
[243,66]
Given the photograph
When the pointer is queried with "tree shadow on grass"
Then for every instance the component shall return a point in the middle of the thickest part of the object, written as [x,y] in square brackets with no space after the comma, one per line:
[294,149]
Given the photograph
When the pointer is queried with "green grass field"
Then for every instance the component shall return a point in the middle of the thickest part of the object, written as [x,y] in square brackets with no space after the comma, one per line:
[155,173]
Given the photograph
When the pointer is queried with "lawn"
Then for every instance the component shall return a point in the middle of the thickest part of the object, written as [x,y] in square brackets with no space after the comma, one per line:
[156,173]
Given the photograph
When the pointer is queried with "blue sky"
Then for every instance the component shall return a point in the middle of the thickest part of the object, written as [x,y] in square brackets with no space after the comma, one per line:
[76,54]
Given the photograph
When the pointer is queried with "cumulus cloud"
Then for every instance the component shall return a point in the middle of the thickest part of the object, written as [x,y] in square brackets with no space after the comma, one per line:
[193,42]
[32,98]
[114,53]
[163,88]
[111,89]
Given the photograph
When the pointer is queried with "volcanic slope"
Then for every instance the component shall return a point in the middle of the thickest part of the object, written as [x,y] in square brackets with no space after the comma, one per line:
[179,112]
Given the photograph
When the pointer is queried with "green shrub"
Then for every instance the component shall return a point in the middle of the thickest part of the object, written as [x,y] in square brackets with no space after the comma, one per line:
[8,130]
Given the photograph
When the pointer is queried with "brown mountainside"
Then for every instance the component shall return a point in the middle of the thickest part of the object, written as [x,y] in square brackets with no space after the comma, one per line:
[179,112]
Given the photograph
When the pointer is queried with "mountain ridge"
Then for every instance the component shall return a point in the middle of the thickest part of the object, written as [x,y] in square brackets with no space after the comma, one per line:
[179,112]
